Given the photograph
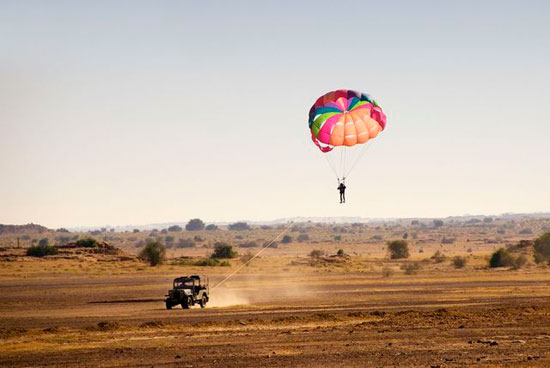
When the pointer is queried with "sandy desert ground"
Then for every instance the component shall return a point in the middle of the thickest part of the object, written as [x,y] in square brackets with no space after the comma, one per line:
[284,309]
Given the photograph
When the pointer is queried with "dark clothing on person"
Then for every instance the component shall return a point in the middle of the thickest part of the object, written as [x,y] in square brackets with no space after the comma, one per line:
[342,189]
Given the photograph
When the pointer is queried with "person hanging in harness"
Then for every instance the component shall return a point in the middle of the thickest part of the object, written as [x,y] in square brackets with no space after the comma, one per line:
[342,189]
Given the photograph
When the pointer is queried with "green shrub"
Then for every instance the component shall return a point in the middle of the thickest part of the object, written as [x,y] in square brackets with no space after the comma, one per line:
[86,243]
[398,249]
[194,225]
[41,251]
[211,227]
[286,239]
[303,237]
[185,243]
[501,258]
[239,226]
[542,247]
[154,252]
[210,262]
[223,250]
[459,262]
[340,253]
[175,228]
[43,242]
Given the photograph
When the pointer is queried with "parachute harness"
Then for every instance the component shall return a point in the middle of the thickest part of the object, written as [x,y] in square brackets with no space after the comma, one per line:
[257,254]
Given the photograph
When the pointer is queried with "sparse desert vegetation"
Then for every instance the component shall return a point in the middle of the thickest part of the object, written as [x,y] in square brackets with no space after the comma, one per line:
[285,293]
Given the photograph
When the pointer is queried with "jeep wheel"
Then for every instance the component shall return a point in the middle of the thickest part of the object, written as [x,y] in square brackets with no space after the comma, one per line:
[202,302]
[168,305]
[186,303]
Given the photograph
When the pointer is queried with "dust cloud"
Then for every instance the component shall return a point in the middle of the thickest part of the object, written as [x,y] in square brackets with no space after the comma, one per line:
[224,297]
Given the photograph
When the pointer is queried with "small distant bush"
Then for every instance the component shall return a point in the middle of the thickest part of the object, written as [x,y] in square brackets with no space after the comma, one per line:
[316,253]
[488,220]
[421,250]
[438,257]
[302,238]
[62,230]
[62,239]
[223,250]
[239,226]
[185,243]
[265,227]
[337,237]
[501,258]
[211,227]
[411,268]
[87,243]
[198,238]
[286,239]
[405,236]
[169,239]
[250,244]
[387,272]
[154,253]
[459,262]
[43,242]
[398,249]
[438,223]
[377,237]
[272,244]
[501,231]
[446,240]
[340,253]
[135,231]
[210,262]
[526,231]
[247,257]
[175,228]
[194,225]
[41,251]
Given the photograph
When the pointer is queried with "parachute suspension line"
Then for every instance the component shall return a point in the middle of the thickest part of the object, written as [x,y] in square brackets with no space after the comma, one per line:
[257,254]
[358,158]
[342,158]
[330,163]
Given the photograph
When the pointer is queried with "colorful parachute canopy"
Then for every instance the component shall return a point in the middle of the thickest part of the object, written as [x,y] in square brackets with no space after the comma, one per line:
[345,118]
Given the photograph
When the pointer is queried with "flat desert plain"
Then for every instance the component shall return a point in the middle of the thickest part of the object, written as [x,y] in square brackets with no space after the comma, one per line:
[285,308]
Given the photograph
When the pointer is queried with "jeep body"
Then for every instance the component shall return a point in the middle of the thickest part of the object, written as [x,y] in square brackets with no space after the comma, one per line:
[188,291]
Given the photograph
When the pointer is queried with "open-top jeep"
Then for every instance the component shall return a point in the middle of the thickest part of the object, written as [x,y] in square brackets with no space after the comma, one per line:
[187,291]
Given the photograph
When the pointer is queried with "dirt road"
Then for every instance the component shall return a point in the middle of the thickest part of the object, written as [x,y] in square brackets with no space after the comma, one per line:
[310,319]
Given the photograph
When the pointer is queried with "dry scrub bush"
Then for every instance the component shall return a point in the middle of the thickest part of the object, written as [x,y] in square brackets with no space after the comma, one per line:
[154,253]
[542,248]
[438,257]
[316,253]
[411,268]
[459,262]
[387,272]
[398,249]
[503,258]
[41,251]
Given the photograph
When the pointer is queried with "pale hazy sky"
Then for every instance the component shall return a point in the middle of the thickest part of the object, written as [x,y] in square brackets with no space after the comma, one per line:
[135,112]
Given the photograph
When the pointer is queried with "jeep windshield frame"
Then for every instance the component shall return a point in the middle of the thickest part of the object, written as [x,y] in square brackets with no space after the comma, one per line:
[184,283]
